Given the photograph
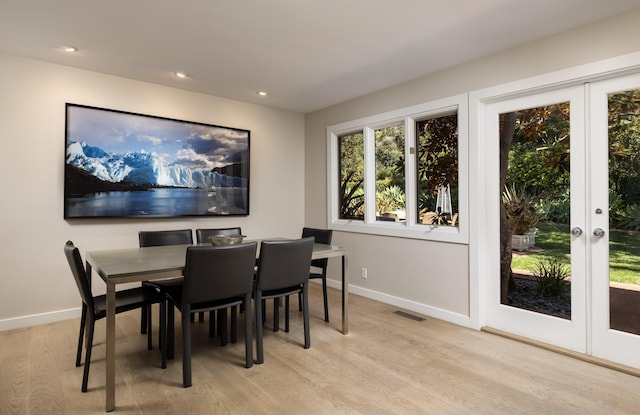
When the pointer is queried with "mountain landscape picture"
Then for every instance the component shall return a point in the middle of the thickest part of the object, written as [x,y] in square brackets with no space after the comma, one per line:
[120,164]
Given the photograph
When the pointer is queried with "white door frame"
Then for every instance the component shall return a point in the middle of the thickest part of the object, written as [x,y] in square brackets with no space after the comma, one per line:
[483,239]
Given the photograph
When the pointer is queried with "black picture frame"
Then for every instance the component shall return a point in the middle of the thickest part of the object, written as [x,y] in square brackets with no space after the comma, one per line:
[123,164]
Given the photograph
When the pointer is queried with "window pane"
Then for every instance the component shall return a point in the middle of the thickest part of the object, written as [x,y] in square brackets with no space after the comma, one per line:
[351,159]
[437,175]
[390,182]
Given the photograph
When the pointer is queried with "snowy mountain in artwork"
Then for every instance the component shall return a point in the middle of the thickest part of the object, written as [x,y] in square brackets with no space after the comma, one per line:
[143,168]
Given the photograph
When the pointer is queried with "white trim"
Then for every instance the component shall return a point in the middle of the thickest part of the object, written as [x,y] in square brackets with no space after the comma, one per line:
[39,319]
[477,213]
[589,72]
[403,303]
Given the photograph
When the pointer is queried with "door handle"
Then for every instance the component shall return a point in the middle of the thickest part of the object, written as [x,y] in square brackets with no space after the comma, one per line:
[598,232]
[576,231]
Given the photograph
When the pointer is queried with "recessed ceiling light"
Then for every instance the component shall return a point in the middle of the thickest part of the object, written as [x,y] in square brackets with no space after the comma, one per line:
[69,48]
[181,75]
[262,93]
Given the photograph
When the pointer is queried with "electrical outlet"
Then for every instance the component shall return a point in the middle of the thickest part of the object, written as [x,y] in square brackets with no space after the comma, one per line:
[364,273]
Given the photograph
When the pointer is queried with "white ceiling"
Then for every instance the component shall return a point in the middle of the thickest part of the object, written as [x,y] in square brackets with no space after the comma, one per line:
[308,54]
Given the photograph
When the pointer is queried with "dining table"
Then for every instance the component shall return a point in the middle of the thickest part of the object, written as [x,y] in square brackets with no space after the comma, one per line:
[119,266]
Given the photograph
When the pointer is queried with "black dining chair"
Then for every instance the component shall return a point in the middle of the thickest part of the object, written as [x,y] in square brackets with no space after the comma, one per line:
[319,266]
[95,307]
[215,278]
[163,238]
[203,235]
[283,270]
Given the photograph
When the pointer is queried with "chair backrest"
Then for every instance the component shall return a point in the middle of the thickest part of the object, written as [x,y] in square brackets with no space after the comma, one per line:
[218,272]
[321,236]
[203,235]
[162,238]
[79,275]
[284,263]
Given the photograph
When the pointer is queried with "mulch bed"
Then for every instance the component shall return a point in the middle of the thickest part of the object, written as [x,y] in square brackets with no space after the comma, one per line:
[526,296]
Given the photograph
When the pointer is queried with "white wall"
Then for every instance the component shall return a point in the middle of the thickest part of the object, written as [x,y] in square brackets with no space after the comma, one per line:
[429,277]
[424,276]
[36,284]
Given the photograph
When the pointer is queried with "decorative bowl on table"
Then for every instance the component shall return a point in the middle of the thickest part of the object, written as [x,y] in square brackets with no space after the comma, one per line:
[223,240]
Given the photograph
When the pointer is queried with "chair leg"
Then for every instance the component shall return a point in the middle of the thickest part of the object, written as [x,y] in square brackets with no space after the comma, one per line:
[148,331]
[163,333]
[222,326]
[286,314]
[305,314]
[83,322]
[276,314]
[248,330]
[212,323]
[163,343]
[259,315]
[201,316]
[324,297]
[171,328]
[234,324]
[143,320]
[87,356]
[299,301]
[219,323]
[186,346]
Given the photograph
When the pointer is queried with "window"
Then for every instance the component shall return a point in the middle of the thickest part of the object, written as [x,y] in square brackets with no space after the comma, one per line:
[390,181]
[351,159]
[437,170]
[401,173]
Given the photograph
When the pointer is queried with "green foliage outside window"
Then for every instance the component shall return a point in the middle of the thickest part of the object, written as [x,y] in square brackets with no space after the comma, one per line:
[390,179]
[351,158]
[437,162]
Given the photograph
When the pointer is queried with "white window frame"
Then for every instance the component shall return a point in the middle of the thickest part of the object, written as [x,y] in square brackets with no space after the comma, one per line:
[409,229]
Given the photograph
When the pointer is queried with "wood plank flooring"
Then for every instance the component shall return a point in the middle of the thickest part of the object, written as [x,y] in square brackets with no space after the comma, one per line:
[388,364]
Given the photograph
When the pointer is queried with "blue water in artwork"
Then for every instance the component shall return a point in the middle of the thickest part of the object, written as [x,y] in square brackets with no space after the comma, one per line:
[160,202]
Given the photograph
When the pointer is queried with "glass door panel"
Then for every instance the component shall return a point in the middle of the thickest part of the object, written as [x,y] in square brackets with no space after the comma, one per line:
[624,211]
[536,200]
[615,236]
[538,289]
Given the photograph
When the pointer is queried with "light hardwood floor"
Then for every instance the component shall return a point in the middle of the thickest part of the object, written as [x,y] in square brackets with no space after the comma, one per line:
[388,364]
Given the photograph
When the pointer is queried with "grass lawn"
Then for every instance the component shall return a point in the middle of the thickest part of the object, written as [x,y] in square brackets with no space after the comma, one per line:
[553,239]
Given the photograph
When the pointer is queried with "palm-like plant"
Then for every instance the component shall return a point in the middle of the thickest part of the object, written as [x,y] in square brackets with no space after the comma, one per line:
[520,209]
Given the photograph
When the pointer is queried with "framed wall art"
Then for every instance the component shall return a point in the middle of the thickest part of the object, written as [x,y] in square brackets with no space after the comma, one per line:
[122,164]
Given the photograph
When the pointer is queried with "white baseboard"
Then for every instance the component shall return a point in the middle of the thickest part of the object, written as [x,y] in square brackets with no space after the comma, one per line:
[416,307]
[39,319]
[455,318]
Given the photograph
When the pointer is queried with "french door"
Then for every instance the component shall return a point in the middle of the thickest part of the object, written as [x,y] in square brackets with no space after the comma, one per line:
[585,140]
[501,313]
[615,286]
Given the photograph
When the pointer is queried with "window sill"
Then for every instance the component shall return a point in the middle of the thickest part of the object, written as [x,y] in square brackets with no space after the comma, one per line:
[439,233]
